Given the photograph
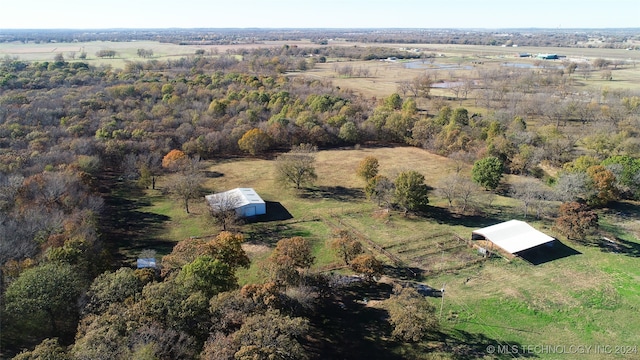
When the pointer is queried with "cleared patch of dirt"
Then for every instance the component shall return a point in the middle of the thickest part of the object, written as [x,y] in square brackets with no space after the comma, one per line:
[251,249]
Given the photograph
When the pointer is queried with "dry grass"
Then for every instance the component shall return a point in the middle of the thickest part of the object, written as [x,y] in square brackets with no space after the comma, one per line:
[384,76]
[339,166]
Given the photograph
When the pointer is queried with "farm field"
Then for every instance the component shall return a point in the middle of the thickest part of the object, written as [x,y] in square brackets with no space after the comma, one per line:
[126,51]
[452,62]
[589,298]
[385,76]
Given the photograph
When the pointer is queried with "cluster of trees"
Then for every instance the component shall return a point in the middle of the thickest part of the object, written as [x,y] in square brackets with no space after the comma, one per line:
[193,308]
[407,191]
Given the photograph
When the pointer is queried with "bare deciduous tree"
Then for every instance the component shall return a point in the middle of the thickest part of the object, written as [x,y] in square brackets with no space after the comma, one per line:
[297,167]
[532,194]
[222,208]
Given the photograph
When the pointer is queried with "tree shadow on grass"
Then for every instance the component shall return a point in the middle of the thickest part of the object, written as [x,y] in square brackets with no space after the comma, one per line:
[212,174]
[338,193]
[404,272]
[126,230]
[444,216]
[270,234]
[465,345]
[352,330]
[619,246]
[612,239]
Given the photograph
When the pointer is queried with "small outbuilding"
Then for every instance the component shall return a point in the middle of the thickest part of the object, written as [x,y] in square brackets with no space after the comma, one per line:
[143,263]
[245,201]
[512,236]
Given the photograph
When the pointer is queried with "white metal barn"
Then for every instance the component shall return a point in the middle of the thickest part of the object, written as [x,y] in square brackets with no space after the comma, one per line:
[512,236]
[245,201]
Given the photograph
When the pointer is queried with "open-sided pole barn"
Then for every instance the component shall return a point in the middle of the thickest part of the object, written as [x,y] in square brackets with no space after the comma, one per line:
[512,236]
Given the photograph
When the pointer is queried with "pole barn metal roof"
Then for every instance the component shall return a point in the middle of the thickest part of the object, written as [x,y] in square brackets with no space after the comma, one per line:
[513,236]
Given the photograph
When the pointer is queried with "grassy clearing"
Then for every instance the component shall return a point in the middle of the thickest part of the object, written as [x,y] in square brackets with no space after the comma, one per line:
[586,299]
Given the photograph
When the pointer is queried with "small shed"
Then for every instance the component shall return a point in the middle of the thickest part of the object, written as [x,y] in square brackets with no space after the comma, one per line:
[245,201]
[512,236]
[142,263]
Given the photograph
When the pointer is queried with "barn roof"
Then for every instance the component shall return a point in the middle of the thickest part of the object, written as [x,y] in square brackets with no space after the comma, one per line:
[513,236]
[241,196]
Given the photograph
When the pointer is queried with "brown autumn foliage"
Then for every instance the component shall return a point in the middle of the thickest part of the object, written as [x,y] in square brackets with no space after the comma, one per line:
[576,221]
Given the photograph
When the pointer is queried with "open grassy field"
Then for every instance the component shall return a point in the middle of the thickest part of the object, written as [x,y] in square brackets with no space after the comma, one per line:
[385,76]
[126,51]
[587,299]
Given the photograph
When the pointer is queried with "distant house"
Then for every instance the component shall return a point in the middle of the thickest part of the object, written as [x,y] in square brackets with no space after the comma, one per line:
[245,201]
[146,263]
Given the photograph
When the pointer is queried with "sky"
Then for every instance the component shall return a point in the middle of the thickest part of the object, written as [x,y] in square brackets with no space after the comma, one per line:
[473,14]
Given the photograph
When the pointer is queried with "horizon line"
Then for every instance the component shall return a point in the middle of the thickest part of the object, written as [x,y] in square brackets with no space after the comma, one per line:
[322,28]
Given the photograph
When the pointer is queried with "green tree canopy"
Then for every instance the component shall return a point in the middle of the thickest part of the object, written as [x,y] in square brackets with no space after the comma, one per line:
[487,172]
[43,300]
[393,102]
[627,171]
[460,116]
[48,349]
[349,132]
[209,275]
[271,336]
[112,287]
[411,193]
[368,168]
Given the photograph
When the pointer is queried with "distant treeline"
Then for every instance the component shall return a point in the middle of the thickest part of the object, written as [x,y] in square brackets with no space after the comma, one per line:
[605,38]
